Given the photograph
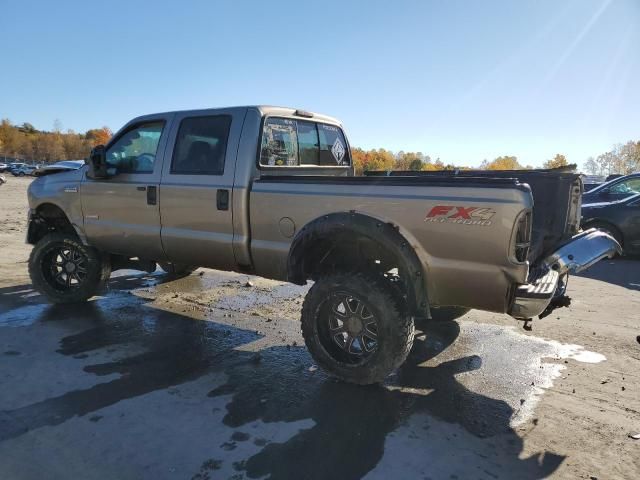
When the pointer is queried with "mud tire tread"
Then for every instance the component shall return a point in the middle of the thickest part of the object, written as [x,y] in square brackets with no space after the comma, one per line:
[98,274]
[394,325]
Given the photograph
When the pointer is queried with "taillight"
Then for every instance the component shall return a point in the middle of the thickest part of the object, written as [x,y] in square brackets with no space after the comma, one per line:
[575,207]
[522,242]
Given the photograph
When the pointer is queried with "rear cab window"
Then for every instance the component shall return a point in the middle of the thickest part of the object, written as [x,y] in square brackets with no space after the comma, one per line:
[290,142]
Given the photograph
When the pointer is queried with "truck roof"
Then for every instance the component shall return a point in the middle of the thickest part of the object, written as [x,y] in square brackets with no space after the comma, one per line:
[264,111]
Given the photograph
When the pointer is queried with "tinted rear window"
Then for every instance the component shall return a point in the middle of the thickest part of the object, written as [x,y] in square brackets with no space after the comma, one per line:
[288,143]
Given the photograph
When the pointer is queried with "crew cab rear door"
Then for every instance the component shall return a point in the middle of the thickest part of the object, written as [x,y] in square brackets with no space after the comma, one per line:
[196,188]
[121,213]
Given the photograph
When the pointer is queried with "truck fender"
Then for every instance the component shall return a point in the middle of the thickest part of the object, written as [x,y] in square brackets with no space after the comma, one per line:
[328,229]
[48,215]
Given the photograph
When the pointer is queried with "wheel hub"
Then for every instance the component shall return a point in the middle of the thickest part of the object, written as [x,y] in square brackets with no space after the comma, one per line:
[353,326]
[65,267]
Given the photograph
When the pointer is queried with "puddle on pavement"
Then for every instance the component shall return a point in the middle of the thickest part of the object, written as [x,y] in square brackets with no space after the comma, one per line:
[511,366]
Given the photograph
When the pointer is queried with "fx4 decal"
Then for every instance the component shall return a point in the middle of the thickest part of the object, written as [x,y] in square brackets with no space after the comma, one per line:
[478,216]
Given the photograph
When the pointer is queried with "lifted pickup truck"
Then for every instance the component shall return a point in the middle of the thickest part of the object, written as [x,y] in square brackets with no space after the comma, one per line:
[271,191]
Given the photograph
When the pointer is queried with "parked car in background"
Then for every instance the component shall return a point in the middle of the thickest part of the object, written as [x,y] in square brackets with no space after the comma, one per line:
[616,189]
[23,170]
[613,176]
[620,219]
[3,167]
[63,166]
[592,181]
[13,165]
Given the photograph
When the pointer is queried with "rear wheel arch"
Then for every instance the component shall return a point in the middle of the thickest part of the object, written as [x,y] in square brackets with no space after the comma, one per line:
[350,241]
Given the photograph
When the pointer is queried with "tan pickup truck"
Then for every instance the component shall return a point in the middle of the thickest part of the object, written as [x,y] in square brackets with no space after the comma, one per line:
[271,191]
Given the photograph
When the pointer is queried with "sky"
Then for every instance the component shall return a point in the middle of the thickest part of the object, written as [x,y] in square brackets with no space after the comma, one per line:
[460,80]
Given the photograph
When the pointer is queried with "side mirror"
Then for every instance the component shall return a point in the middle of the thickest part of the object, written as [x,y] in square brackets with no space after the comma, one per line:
[97,162]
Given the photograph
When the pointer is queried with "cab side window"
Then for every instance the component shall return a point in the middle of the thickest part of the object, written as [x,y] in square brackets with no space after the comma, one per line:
[135,151]
[201,146]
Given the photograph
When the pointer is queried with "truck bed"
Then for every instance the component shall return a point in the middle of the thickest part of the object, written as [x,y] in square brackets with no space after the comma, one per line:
[471,262]
[555,192]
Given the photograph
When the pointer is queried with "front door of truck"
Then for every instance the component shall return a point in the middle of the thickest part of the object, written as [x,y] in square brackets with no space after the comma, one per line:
[197,189]
[121,213]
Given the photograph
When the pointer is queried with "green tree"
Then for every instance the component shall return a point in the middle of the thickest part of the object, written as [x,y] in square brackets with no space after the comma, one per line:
[416,164]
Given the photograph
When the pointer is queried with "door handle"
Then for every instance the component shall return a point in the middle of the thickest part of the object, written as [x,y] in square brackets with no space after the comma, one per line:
[222,199]
[152,195]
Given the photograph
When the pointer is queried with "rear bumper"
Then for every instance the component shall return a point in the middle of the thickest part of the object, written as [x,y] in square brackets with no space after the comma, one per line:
[582,251]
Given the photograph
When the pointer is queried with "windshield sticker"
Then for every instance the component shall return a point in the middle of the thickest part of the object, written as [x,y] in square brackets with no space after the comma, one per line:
[338,151]
[460,215]
[329,127]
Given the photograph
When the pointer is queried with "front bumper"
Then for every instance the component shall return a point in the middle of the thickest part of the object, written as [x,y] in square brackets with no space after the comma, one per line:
[579,253]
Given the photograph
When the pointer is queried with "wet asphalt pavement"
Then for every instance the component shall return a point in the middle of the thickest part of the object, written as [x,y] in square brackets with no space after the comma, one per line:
[203,377]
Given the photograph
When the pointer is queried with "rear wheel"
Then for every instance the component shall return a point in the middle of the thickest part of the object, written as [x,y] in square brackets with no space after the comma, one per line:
[356,328]
[66,271]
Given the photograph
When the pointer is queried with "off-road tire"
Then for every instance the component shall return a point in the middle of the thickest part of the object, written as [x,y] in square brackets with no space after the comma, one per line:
[177,269]
[98,269]
[395,329]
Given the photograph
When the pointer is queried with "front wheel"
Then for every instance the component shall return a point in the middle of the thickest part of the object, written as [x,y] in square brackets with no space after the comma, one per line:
[356,328]
[65,270]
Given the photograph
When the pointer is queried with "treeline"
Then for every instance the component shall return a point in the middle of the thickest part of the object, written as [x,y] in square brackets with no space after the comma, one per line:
[622,159]
[26,143]
[381,159]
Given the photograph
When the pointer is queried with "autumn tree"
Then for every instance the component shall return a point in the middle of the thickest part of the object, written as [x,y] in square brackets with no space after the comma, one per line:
[99,136]
[502,163]
[11,138]
[27,143]
[556,162]
[369,160]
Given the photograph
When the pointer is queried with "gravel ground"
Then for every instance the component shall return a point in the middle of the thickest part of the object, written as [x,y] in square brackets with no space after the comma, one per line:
[207,377]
